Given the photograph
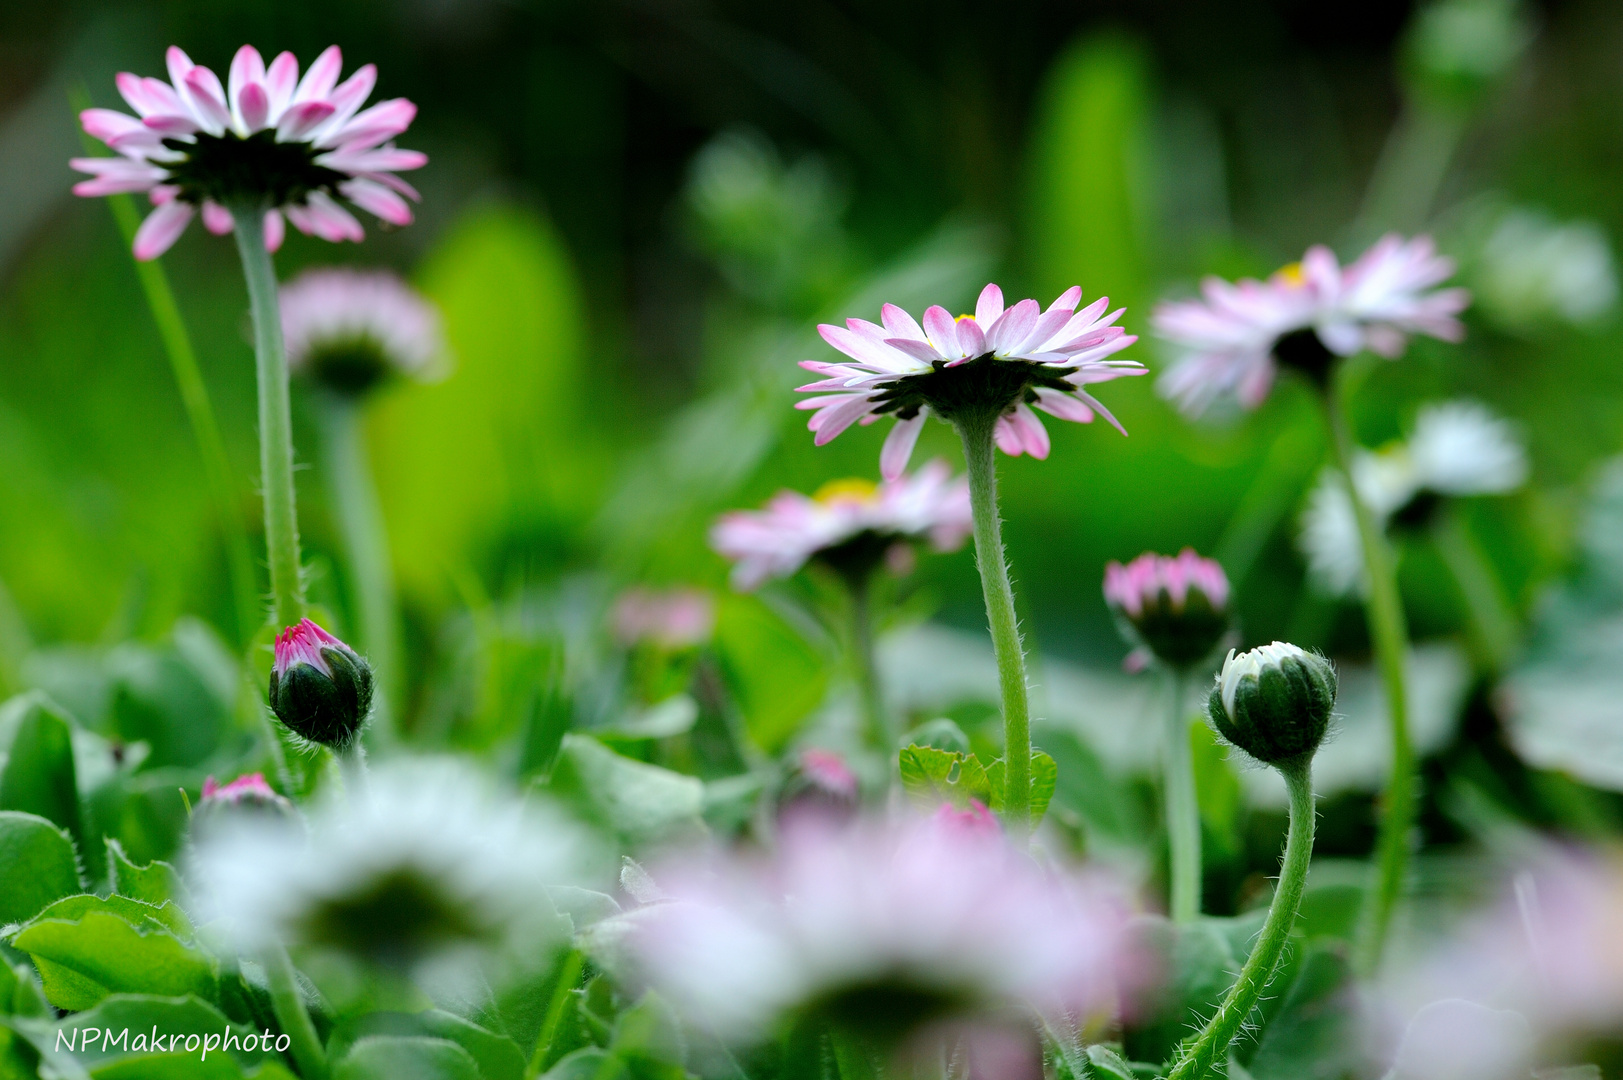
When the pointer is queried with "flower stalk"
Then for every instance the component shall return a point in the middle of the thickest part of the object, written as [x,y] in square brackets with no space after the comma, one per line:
[1207,1053]
[1182,807]
[1390,636]
[354,499]
[275,417]
[865,662]
[975,428]
[291,1014]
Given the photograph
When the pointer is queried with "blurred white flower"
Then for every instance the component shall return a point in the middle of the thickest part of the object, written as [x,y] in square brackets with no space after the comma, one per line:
[1458,448]
[1534,268]
[426,863]
[883,928]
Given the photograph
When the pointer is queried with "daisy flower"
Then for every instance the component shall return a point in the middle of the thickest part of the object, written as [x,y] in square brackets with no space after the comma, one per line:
[426,861]
[673,619]
[1006,360]
[350,328]
[880,928]
[1457,449]
[847,523]
[1234,339]
[1176,607]
[266,138]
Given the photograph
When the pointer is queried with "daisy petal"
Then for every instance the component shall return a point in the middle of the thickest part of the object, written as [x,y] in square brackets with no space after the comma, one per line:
[161,229]
[898,448]
[989,307]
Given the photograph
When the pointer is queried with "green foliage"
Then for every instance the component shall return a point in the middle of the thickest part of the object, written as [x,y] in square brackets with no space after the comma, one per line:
[638,803]
[90,1040]
[496,1057]
[145,916]
[406,1057]
[154,883]
[97,953]
[775,675]
[39,777]
[932,777]
[37,866]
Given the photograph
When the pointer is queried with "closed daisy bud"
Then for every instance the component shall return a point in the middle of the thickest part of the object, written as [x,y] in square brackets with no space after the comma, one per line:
[1177,608]
[319,687]
[248,798]
[1274,702]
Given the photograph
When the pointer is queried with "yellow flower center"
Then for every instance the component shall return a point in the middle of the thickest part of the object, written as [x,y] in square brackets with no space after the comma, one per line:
[1292,273]
[851,489]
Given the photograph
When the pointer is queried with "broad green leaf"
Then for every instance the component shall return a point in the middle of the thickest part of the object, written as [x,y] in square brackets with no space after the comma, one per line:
[638,802]
[650,1034]
[497,443]
[187,1066]
[496,1056]
[20,993]
[1314,1032]
[1044,775]
[18,1058]
[589,1063]
[1200,962]
[1105,1064]
[932,777]
[406,1057]
[1085,789]
[162,699]
[775,675]
[153,883]
[83,962]
[164,916]
[38,777]
[124,1026]
[37,866]
[144,812]
[673,716]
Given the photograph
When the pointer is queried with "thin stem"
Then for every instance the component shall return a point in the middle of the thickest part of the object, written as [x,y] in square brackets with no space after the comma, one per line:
[1491,617]
[1206,1054]
[294,1018]
[275,419]
[865,663]
[568,976]
[352,767]
[1410,170]
[1182,807]
[976,433]
[355,504]
[1390,635]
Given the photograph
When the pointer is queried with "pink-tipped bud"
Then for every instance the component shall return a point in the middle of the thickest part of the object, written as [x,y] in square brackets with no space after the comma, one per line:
[319,687]
[247,798]
[1175,607]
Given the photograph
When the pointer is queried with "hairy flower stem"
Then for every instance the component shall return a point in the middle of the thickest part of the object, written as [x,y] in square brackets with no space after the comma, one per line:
[354,499]
[352,767]
[1182,807]
[294,1018]
[1390,635]
[975,429]
[1206,1054]
[275,418]
[864,662]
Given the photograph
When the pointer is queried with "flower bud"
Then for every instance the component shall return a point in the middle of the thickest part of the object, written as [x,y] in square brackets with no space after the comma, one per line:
[319,687]
[1274,702]
[248,798]
[1176,608]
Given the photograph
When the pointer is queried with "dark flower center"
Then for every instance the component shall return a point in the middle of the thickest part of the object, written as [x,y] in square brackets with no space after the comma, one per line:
[1302,350]
[857,557]
[888,1007]
[1180,635]
[395,919]
[1418,513]
[230,169]
[349,367]
[984,384]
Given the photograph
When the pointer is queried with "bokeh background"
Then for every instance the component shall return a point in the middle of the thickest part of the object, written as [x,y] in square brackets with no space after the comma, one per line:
[634,215]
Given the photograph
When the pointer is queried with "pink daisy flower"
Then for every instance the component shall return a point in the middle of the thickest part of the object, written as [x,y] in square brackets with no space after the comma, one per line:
[1234,339]
[350,328]
[267,138]
[1012,359]
[848,519]
[1174,608]
[673,619]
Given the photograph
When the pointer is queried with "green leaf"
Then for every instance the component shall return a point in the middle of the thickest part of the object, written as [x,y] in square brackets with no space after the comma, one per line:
[406,1057]
[1088,791]
[650,1034]
[154,883]
[1219,794]
[638,802]
[20,993]
[589,1063]
[932,777]
[1314,1033]
[37,866]
[496,1056]
[164,916]
[1044,775]
[1200,961]
[38,777]
[1105,1064]
[775,675]
[83,962]
[123,1026]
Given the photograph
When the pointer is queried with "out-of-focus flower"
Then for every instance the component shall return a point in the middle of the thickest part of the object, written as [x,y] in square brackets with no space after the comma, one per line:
[1274,702]
[348,329]
[319,687]
[1457,449]
[423,863]
[883,929]
[1003,360]
[1455,1039]
[827,771]
[1174,606]
[1304,316]
[247,798]
[247,788]
[271,140]
[851,524]
[671,619]
[975,819]
[1533,268]
[1457,49]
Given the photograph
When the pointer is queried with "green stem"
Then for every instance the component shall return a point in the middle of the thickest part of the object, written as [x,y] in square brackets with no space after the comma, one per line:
[294,1018]
[354,500]
[1491,616]
[352,767]
[275,419]
[568,975]
[1410,170]
[1207,1053]
[865,665]
[976,432]
[1390,635]
[1182,808]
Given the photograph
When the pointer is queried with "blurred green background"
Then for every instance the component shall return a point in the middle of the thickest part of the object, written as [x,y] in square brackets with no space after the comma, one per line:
[636,212]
